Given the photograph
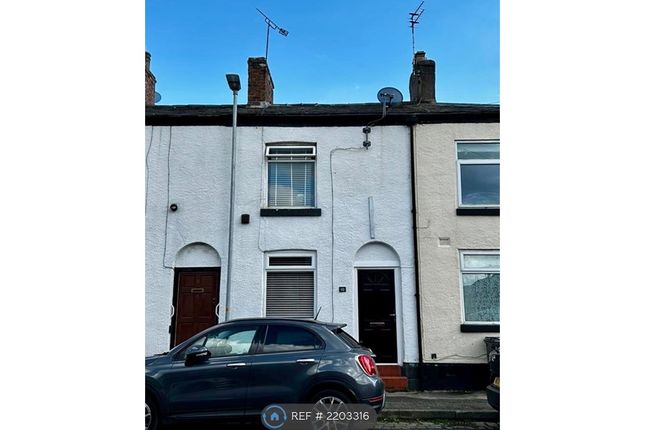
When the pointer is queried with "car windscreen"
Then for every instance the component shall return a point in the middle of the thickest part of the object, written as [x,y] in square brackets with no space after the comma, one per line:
[347,338]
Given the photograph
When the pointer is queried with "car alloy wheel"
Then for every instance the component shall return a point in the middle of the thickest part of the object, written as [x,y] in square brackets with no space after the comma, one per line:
[148,416]
[327,404]
[330,401]
[152,414]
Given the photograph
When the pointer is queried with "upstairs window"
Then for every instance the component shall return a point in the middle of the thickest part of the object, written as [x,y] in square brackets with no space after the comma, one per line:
[291,176]
[290,286]
[478,173]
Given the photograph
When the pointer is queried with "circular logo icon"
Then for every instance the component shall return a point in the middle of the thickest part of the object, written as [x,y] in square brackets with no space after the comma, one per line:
[274,417]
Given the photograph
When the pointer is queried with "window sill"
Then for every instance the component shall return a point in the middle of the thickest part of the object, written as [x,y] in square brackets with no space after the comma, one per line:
[478,211]
[480,328]
[290,212]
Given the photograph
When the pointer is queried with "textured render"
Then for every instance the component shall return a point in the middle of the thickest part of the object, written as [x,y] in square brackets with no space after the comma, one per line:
[199,185]
[436,189]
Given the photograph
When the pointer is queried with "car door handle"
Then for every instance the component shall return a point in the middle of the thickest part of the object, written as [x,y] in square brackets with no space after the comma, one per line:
[236,365]
[306,360]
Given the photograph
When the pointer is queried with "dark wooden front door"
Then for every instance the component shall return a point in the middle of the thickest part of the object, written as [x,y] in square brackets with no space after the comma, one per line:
[196,296]
[376,313]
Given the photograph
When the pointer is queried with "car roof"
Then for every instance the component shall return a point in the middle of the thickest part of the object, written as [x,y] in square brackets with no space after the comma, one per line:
[331,325]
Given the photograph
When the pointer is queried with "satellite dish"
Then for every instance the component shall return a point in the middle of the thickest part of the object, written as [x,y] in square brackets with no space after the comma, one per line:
[389,96]
[157,97]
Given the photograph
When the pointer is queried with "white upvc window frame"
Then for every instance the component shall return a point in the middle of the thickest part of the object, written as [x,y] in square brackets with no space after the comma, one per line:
[490,161]
[463,270]
[297,156]
[290,158]
[297,268]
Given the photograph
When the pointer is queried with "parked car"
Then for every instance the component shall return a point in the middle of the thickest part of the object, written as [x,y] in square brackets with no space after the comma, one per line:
[236,369]
[492,390]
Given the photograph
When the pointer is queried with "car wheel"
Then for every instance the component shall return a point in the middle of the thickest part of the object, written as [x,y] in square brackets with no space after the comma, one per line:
[330,398]
[152,415]
[329,401]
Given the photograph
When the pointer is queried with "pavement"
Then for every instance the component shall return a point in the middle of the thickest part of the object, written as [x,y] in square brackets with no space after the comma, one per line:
[433,425]
[438,405]
[415,410]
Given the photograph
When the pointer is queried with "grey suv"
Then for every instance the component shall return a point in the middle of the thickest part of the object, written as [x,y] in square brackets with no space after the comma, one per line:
[235,369]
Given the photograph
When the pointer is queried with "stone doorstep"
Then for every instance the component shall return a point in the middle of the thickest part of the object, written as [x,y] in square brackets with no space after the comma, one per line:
[395,383]
[388,370]
[392,378]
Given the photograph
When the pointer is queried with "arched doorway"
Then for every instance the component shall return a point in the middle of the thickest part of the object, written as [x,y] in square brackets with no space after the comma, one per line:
[377,268]
[196,291]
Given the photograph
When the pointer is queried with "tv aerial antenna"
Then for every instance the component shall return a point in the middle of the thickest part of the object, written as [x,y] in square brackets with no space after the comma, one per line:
[388,97]
[271,25]
[414,20]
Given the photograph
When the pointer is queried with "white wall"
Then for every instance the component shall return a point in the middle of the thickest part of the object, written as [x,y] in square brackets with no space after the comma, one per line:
[439,273]
[199,185]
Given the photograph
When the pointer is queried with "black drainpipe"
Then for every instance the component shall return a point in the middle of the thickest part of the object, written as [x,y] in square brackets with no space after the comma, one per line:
[411,125]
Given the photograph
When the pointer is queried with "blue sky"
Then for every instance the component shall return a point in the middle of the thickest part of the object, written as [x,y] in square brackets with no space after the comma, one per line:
[336,51]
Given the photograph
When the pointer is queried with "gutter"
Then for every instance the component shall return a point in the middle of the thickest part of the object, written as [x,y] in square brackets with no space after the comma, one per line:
[411,125]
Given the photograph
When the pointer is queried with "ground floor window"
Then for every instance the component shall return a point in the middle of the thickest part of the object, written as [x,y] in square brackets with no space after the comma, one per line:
[290,285]
[480,284]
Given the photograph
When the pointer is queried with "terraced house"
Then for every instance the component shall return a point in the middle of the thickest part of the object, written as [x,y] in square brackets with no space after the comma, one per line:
[323,223]
[456,178]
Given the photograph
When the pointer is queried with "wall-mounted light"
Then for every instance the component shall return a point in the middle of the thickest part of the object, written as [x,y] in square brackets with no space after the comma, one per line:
[174,207]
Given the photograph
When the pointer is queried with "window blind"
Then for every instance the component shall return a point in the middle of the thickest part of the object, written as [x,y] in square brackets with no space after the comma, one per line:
[291,184]
[290,294]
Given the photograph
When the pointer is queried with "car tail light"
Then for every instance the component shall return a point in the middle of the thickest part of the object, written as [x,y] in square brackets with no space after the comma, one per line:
[368,365]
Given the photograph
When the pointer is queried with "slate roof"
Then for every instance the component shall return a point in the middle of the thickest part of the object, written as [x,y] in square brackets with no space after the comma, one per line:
[350,114]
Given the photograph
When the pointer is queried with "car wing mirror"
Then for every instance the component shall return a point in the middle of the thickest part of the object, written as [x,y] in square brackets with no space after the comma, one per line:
[197,354]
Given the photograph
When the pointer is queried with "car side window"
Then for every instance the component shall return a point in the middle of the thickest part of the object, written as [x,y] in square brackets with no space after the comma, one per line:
[288,338]
[225,341]
[231,341]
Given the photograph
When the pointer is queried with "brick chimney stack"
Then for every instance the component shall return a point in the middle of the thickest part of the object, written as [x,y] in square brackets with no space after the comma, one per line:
[422,79]
[260,83]
[150,83]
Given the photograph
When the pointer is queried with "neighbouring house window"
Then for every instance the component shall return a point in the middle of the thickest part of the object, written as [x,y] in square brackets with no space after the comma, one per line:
[290,285]
[480,283]
[291,175]
[478,173]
